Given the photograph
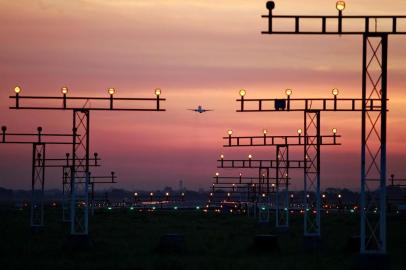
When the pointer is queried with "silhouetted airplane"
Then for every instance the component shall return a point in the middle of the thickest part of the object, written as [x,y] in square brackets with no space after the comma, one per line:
[199,109]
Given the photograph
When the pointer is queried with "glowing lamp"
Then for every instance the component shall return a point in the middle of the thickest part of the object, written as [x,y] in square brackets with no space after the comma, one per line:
[334,92]
[230,132]
[217,174]
[288,92]
[151,194]
[242,92]
[17,89]
[64,90]
[299,131]
[157,92]
[167,194]
[249,156]
[265,131]
[334,130]
[111,91]
[222,156]
[340,5]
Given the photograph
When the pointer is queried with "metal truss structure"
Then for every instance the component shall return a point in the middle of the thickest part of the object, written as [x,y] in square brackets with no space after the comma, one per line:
[81,144]
[38,141]
[311,141]
[374,31]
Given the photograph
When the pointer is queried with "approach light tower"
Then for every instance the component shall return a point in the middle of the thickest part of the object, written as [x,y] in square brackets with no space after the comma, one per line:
[81,144]
[282,164]
[312,140]
[374,31]
[39,142]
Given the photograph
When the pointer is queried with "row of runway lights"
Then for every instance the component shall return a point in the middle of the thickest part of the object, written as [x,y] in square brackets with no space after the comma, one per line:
[265,132]
[64,90]
[217,210]
[111,91]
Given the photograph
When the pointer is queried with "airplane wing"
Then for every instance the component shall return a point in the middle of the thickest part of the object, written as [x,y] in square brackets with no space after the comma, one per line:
[192,110]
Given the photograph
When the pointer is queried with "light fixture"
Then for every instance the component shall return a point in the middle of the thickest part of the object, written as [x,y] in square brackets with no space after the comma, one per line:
[64,90]
[299,131]
[288,92]
[340,5]
[334,91]
[334,130]
[111,91]
[222,156]
[265,131]
[157,92]
[17,89]
[230,132]
[217,174]
[270,5]
[242,92]
[249,156]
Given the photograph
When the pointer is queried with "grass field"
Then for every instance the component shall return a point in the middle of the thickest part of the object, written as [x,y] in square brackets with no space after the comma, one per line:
[126,239]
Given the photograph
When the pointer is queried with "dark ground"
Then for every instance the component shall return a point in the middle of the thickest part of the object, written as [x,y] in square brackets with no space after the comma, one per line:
[125,239]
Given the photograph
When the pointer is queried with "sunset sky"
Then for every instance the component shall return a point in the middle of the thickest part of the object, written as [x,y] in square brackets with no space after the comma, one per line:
[199,52]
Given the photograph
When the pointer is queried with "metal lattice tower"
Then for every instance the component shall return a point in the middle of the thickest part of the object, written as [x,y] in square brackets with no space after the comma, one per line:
[374,88]
[312,215]
[80,165]
[79,203]
[38,141]
[38,181]
[66,192]
[373,147]
[311,141]
[282,186]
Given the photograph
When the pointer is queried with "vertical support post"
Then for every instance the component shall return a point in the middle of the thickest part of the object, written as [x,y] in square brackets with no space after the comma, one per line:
[373,145]
[37,186]
[66,192]
[282,187]
[80,173]
[312,141]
